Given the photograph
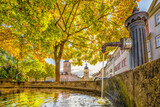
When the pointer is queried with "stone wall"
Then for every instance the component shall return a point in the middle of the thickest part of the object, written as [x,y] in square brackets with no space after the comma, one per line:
[94,86]
[136,88]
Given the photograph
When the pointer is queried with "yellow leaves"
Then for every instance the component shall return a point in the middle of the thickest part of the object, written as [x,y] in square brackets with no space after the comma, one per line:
[40,22]
[38,9]
[45,20]
[138,0]
[33,17]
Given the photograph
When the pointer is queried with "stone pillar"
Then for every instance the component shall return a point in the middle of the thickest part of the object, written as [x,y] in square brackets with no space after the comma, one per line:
[136,26]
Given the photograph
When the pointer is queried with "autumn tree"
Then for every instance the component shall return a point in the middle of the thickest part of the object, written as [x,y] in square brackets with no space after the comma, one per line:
[66,29]
[49,71]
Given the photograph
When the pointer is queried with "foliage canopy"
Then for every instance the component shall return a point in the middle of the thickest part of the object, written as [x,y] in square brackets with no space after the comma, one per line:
[62,29]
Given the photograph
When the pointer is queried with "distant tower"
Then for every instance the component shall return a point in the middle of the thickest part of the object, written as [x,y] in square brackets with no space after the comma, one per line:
[67,67]
[86,73]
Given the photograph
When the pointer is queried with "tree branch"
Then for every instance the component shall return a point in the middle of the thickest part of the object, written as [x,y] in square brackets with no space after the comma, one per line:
[58,24]
[70,13]
[74,16]
[61,50]
[83,46]
[90,24]
[55,52]
[83,29]
[83,38]
[61,14]
[78,44]
[61,28]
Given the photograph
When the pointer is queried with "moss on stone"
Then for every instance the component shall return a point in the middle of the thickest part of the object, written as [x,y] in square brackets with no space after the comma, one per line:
[128,102]
[138,87]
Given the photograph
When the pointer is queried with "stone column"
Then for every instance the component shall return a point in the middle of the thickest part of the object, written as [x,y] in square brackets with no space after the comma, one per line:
[136,26]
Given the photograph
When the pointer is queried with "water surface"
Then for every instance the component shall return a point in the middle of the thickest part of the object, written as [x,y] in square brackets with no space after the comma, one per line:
[47,98]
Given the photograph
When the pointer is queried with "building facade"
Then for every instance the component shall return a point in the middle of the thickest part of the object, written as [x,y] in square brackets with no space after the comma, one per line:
[144,30]
[98,75]
[109,67]
[66,75]
[153,37]
[67,66]
[69,77]
[119,62]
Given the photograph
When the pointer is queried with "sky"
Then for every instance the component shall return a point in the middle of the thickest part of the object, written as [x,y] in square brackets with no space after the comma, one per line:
[144,4]
[78,70]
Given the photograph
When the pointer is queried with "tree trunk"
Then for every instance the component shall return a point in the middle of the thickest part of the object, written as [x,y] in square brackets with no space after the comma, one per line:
[57,56]
[57,70]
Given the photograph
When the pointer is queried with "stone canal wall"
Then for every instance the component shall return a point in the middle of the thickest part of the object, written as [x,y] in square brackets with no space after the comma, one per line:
[94,86]
[139,87]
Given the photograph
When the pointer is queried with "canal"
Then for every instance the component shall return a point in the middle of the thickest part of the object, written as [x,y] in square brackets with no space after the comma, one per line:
[48,98]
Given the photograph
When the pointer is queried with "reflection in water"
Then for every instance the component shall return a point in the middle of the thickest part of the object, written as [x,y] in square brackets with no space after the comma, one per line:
[46,98]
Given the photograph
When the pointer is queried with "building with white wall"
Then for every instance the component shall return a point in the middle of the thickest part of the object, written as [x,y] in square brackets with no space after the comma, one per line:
[153,37]
[109,67]
[119,62]
[144,29]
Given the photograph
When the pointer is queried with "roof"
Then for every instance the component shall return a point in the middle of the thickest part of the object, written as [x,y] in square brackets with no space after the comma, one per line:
[152,5]
[135,10]
[86,67]
[66,61]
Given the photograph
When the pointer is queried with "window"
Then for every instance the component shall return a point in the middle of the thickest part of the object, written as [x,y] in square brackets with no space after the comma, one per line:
[111,71]
[148,46]
[125,64]
[158,41]
[122,63]
[107,73]
[122,51]
[117,55]
[119,66]
[115,68]
[158,18]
